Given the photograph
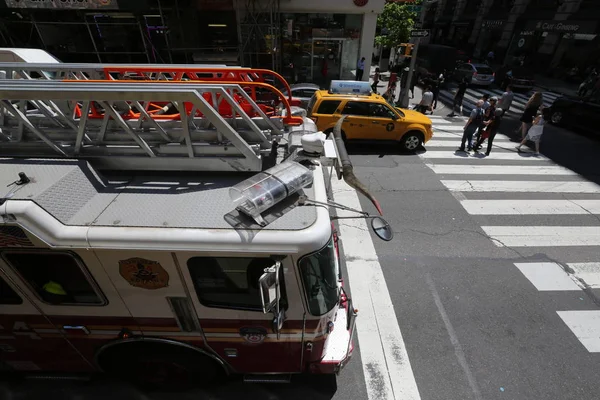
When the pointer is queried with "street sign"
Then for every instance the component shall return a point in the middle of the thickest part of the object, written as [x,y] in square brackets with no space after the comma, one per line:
[419,33]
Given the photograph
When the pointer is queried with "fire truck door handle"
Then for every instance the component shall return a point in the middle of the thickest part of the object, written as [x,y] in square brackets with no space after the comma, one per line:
[76,328]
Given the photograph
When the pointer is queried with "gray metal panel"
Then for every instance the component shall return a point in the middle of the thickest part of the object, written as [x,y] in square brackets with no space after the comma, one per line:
[71,192]
[43,174]
[202,203]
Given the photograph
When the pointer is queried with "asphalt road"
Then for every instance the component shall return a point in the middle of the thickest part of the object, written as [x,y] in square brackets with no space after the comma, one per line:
[483,315]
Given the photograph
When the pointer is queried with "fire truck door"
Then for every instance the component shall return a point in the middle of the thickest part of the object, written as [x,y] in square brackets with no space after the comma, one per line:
[225,294]
[28,341]
[150,285]
[74,293]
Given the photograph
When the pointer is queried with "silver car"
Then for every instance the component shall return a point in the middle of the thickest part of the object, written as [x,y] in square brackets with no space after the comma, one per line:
[303,92]
[476,74]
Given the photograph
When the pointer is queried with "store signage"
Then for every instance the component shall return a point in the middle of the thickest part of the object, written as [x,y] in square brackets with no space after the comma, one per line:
[493,23]
[360,3]
[64,4]
[565,26]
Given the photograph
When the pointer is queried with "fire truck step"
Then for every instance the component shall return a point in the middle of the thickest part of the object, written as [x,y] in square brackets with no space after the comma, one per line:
[267,378]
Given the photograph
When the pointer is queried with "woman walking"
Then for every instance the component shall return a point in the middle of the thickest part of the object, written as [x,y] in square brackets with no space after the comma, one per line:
[490,131]
[531,109]
[535,133]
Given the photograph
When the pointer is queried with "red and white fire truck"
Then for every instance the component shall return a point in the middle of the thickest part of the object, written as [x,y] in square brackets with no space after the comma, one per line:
[166,230]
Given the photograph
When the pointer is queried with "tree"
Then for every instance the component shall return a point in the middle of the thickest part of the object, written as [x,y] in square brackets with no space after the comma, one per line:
[395,23]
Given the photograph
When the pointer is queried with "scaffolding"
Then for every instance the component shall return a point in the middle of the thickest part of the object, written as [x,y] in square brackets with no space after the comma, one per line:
[260,33]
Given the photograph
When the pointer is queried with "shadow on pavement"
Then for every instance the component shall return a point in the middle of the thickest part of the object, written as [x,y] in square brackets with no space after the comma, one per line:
[302,387]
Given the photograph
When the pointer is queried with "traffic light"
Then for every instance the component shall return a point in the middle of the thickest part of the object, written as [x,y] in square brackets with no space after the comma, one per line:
[406,49]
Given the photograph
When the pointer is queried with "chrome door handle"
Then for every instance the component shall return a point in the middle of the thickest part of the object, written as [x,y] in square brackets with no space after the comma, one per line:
[79,328]
[374,122]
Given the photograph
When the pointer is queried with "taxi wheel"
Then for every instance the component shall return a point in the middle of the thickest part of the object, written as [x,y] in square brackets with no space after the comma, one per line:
[412,141]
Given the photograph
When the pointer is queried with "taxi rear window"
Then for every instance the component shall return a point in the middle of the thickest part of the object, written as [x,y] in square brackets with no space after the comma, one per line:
[328,106]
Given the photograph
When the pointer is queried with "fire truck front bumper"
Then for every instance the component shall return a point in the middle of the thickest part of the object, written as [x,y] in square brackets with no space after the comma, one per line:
[339,347]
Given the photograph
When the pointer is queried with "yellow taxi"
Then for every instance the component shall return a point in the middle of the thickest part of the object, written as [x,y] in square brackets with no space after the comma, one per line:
[368,116]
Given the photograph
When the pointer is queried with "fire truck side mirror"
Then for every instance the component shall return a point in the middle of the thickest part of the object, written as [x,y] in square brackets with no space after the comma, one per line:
[269,288]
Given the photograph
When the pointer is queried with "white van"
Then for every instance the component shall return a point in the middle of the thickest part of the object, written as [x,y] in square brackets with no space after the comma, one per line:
[33,56]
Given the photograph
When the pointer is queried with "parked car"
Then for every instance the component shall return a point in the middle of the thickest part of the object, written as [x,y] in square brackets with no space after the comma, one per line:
[520,78]
[303,92]
[476,74]
[575,112]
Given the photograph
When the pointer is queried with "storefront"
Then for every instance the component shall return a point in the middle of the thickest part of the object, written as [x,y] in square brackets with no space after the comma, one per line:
[306,40]
[123,31]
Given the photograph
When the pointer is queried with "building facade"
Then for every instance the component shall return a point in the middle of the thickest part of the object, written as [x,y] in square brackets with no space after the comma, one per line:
[548,35]
[306,40]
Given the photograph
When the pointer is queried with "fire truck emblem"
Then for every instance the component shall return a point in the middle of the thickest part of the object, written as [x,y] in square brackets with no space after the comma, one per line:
[254,335]
[145,274]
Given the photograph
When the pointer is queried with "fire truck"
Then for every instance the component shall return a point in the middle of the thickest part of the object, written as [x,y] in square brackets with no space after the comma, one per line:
[168,228]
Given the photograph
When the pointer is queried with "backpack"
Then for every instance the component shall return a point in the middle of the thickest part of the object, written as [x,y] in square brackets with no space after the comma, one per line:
[478,120]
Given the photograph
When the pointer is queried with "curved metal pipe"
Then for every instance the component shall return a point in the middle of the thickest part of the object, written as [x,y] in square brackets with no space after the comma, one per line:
[348,169]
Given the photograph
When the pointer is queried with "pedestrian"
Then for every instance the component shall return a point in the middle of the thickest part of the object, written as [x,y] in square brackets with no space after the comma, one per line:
[459,96]
[531,109]
[390,93]
[473,124]
[490,57]
[426,101]
[486,103]
[489,114]
[506,100]
[490,131]
[535,133]
[375,81]
[413,82]
[360,69]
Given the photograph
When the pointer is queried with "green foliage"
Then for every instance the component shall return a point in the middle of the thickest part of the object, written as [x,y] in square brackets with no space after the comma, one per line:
[397,21]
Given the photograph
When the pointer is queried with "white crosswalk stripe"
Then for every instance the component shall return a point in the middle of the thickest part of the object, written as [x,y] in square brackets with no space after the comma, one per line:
[524,202]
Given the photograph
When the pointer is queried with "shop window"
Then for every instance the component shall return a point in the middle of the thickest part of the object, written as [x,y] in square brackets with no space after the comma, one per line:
[8,295]
[57,278]
[328,107]
[231,282]
[356,108]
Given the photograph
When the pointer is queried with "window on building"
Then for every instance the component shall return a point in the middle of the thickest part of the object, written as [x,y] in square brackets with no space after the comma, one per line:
[328,106]
[231,282]
[356,108]
[57,278]
[8,295]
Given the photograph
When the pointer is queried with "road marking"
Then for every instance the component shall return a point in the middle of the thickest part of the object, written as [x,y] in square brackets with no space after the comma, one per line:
[441,142]
[458,350]
[451,128]
[547,276]
[521,186]
[585,325]
[500,169]
[386,366]
[458,155]
[587,272]
[531,207]
[543,236]
[446,135]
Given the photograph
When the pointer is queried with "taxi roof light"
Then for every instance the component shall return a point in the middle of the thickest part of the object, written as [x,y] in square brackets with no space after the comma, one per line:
[350,87]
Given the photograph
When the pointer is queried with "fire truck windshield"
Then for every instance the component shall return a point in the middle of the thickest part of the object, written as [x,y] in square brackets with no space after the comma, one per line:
[319,278]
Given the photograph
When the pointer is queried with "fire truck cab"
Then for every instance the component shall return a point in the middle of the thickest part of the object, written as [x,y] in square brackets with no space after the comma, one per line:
[193,247]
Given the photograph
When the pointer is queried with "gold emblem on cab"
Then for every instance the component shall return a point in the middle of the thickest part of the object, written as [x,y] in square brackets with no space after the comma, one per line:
[142,273]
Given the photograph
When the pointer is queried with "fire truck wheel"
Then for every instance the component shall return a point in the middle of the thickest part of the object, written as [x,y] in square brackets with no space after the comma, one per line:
[156,364]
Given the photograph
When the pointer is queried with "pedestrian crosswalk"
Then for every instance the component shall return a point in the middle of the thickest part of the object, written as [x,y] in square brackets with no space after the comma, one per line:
[556,208]
[475,93]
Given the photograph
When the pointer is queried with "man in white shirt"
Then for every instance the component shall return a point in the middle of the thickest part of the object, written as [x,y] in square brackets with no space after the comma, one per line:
[506,100]
[360,69]
[426,101]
